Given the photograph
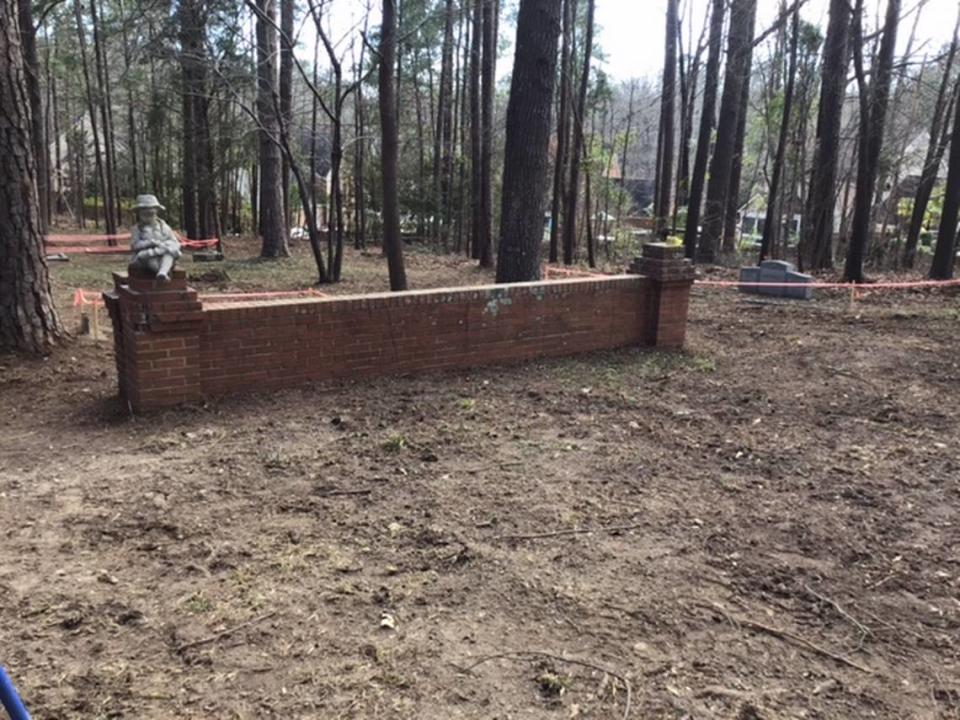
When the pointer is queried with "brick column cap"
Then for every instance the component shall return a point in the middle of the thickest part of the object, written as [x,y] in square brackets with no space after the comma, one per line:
[663,263]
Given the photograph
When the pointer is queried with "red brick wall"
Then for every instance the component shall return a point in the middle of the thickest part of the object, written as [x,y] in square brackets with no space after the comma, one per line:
[282,343]
[170,349]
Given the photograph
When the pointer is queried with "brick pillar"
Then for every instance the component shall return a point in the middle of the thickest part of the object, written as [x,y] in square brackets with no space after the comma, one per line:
[156,331]
[670,275]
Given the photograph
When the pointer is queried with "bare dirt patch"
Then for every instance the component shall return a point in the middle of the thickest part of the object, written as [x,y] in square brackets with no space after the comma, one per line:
[772,517]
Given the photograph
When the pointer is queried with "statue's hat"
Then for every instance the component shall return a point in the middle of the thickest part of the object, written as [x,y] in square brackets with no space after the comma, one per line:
[148,202]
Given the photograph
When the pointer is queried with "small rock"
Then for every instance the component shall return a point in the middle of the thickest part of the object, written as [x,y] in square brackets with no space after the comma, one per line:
[826,686]
[387,621]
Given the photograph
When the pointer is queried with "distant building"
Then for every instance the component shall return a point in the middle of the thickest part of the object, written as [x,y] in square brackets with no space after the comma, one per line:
[640,192]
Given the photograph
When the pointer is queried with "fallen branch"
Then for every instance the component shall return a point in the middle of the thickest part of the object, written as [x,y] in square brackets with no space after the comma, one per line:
[225,633]
[576,531]
[795,639]
[534,654]
[335,493]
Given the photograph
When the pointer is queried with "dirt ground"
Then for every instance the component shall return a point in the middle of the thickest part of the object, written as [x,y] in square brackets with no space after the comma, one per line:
[763,526]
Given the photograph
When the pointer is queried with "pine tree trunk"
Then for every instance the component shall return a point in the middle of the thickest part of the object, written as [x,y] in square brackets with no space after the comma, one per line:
[463,118]
[576,145]
[732,202]
[476,131]
[199,188]
[739,50]
[626,147]
[28,319]
[271,217]
[38,133]
[488,72]
[588,209]
[111,198]
[441,144]
[390,147]
[189,51]
[132,144]
[563,130]
[943,254]
[286,94]
[698,177]
[527,138]
[421,150]
[873,113]
[688,93]
[360,212]
[188,162]
[664,183]
[817,235]
[771,225]
[91,106]
[939,137]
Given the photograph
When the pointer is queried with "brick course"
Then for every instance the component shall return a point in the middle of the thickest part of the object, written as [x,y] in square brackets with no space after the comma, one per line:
[170,349]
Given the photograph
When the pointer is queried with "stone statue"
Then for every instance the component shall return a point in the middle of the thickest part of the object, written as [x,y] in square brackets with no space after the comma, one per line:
[155,246]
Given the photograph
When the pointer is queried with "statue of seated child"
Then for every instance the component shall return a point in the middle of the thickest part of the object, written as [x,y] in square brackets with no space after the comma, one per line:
[155,246]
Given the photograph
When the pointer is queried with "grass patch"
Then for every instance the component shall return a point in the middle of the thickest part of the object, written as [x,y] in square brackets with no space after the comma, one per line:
[198,603]
[395,443]
[616,370]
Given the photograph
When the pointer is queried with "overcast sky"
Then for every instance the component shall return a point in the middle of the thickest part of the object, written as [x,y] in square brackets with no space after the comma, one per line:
[630,32]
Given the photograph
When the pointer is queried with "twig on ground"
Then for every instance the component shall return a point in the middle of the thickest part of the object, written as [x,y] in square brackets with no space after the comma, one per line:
[335,493]
[890,626]
[533,654]
[864,630]
[225,633]
[575,531]
[790,637]
[883,580]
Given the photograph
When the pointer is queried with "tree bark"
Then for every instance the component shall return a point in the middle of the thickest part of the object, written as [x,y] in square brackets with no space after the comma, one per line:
[488,72]
[286,95]
[28,319]
[817,234]
[360,213]
[132,143]
[189,49]
[272,227]
[688,93]
[38,135]
[476,131]
[389,155]
[463,117]
[91,106]
[739,50]
[576,144]
[626,148]
[873,112]
[563,130]
[199,186]
[707,112]
[944,253]
[664,182]
[771,225]
[441,142]
[732,203]
[111,196]
[527,138]
[939,137]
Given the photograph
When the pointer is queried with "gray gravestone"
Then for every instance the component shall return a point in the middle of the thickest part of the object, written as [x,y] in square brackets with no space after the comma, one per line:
[782,274]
